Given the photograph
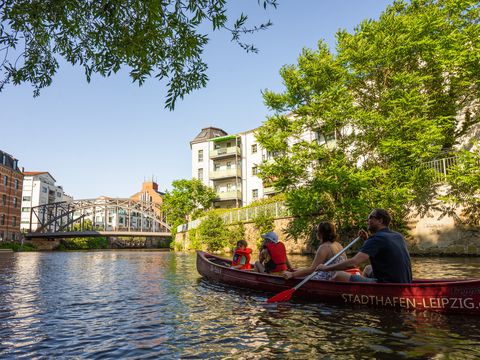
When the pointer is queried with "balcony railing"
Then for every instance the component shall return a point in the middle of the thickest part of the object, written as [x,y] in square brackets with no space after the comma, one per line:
[223,174]
[441,167]
[229,195]
[225,152]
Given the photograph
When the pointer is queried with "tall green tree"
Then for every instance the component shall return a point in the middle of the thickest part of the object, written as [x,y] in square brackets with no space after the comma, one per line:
[464,187]
[187,199]
[160,38]
[397,92]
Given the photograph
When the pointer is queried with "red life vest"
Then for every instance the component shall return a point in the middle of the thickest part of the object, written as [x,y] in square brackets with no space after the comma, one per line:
[278,257]
[237,258]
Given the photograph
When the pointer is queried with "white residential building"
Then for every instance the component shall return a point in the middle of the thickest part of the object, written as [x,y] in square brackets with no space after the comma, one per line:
[39,189]
[229,164]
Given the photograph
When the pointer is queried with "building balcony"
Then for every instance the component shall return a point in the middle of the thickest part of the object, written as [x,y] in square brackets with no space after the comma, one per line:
[225,174]
[229,195]
[225,152]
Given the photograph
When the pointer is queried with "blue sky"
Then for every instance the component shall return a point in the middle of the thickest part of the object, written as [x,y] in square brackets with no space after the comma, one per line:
[106,137]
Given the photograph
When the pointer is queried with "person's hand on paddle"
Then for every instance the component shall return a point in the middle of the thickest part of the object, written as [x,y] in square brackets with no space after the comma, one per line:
[321,267]
[363,234]
[288,275]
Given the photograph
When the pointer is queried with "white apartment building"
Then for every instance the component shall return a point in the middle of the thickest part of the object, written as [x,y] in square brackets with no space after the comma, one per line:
[229,164]
[39,189]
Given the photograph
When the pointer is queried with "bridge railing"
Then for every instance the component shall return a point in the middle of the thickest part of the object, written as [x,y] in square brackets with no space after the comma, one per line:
[275,210]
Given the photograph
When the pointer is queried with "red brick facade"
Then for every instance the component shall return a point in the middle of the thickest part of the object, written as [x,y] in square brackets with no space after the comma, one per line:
[11,183]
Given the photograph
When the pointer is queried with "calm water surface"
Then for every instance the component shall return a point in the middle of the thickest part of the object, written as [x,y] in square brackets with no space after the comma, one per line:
[152,305]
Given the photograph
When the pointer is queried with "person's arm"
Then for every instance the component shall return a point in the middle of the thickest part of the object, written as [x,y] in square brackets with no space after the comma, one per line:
[320,257]
[289,265]
[261,256]
[243,260]
[355,261]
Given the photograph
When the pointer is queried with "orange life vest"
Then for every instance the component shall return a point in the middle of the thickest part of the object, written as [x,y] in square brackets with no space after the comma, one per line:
[237,258]
[278,257]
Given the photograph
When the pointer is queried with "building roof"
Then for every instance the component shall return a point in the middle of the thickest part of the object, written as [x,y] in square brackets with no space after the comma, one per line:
[35,173]
[9,161]
[207,134]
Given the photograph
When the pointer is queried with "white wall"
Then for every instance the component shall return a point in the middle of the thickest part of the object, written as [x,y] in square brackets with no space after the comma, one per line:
[205,164]
[37,188]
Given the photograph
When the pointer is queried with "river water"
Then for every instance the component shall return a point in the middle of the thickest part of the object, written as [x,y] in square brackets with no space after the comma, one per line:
[154,305]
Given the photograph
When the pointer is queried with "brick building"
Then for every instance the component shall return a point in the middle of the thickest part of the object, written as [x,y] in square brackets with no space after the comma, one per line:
[11,183]
[149,193]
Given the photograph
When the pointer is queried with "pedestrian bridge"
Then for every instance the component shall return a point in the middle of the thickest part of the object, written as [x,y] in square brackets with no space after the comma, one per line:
[104,216]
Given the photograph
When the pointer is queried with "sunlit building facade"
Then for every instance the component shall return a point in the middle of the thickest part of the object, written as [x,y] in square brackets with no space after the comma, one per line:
[11,179]
[39,188]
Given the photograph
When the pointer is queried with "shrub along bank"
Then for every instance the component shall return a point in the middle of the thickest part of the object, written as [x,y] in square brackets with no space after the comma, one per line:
[84,243]
[18,246]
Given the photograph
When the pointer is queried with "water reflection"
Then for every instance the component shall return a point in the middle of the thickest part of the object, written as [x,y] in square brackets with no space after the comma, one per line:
[155,305]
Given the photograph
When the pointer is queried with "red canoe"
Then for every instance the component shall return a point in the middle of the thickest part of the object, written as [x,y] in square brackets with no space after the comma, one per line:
[446,296]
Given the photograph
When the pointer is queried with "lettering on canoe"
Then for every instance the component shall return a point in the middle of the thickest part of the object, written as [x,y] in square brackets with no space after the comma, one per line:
[412,303]
[215,269]
[466,291]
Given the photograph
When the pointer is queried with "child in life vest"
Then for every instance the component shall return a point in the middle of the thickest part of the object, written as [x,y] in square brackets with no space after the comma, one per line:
[273,257]
[241,257]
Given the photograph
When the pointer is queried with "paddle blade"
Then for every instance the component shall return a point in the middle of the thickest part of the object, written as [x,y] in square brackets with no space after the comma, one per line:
[284,296]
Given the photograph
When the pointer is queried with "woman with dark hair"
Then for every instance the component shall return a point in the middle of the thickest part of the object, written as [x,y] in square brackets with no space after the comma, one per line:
[329,247]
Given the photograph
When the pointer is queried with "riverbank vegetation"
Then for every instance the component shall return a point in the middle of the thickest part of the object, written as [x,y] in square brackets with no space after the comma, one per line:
[188,199]
[395,94]
[226,235]
[84,243]
[15,246]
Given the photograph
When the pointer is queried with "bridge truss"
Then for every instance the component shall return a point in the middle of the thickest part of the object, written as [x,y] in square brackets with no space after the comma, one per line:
[101,214]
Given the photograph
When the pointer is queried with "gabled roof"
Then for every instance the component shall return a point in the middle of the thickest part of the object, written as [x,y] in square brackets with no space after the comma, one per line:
[207,134]
[35,173]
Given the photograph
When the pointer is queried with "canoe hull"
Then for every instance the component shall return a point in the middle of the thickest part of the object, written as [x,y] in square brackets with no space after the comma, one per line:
[446,296]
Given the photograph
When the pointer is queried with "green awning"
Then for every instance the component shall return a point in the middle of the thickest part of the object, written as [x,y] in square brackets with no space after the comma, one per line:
[223,138]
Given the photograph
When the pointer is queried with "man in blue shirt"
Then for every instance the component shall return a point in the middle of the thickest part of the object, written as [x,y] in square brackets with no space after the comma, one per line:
[386,250]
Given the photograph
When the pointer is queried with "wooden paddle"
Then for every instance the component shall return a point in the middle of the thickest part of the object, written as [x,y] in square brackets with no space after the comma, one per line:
[287,294]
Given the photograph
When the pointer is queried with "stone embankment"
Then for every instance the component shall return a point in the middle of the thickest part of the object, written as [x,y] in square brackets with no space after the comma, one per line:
[431,235]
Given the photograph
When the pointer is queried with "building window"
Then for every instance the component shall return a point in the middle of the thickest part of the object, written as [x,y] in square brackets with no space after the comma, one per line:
[44,189]
[2,219]
[25,209]
[15,202]
[254,170]
[4,200]
[325,138]
[26,198]
[200,155]
[216,167]
[200,174]
[216,146]
[229,187]
[14,221]
[5,180]
[59,194]
[229,165]
[16,184]
[255,194]
[254,148]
